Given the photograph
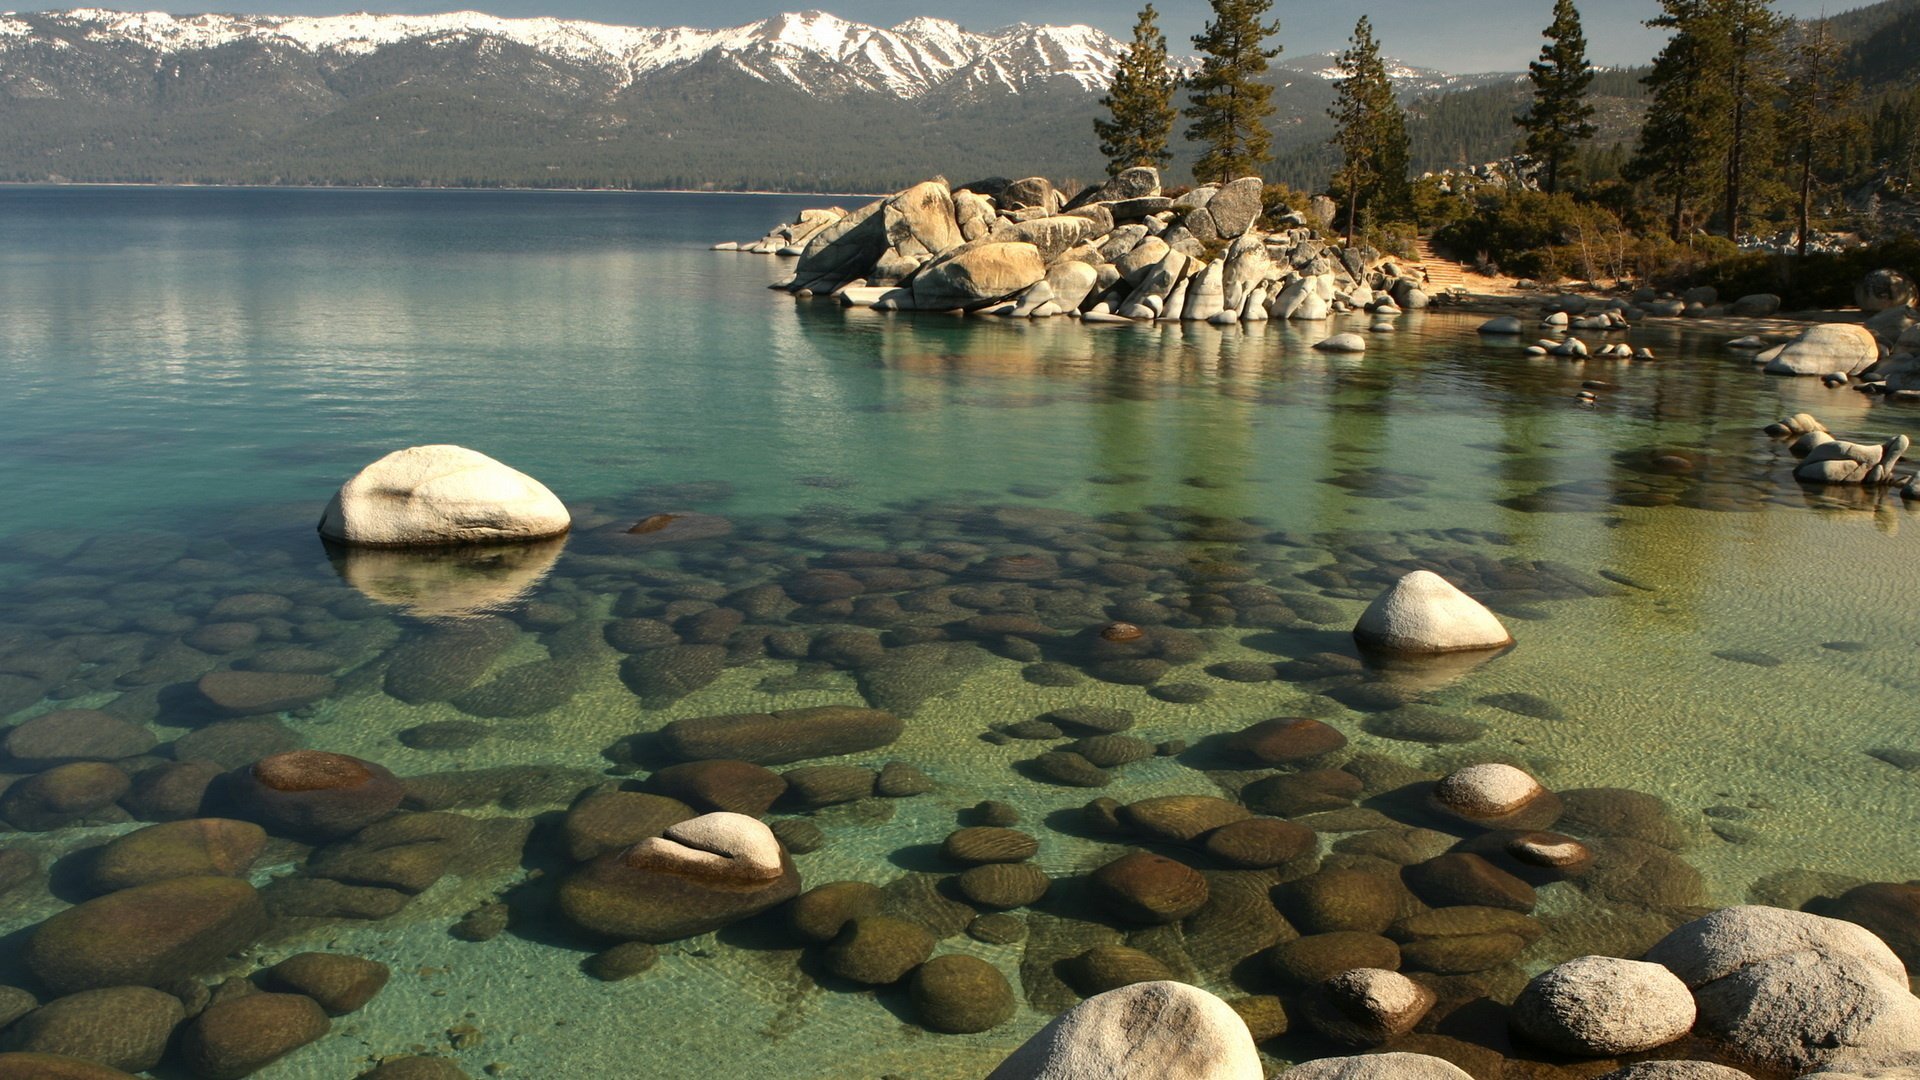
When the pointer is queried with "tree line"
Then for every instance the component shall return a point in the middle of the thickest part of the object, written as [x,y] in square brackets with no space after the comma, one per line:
[1748,114]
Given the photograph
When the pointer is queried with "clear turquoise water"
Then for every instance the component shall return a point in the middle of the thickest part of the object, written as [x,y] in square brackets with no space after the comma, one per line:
[190,373]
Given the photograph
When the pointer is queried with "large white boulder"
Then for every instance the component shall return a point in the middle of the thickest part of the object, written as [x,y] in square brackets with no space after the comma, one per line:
[428,496]
[1790,989]
[1424,613]
[979,275]
[1165,1030]
[1824,349]
[1377,1067]
[1601,1006]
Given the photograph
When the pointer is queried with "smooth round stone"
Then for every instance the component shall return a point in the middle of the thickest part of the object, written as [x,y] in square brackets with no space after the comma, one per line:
[1182,693]
[69,735]
[1294,794]
[998,928]
[623,961]
[1311,960]
[995,813]
[242,1035]
[1259,843]
[1003,885]
[339,983]
[1109,967]
[1180,819]
[26,1066]
[1243,671]
[1422,724]
[1265,1016]
[799,836]
[175,849]
[1032,729]
[316,795]
[62,795]
[820,913]
[415,1068]
[1395,1066]
[250,693]
[720,785]
[171,792]
[613,820]
[1112,751]
[878,950]
[1496,795]
[1092,719]
[1285,740]
[1149,889]
[899,780]
[1601,1006]
[1550,851]
[1368,1006]
[1460,878]
[989,844]
[442,494]
[124,1027]
[1052,674]
[1070,770]
[815,786]
[1339,899]
[960,995]
[221,638]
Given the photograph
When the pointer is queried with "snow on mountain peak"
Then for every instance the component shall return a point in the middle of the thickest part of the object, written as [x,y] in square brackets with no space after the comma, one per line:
[813,49]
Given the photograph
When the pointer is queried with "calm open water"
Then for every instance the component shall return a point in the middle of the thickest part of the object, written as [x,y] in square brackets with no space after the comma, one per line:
[190,373]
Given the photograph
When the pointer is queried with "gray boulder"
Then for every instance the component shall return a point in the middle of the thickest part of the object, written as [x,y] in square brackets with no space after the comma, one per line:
[1841,462]
[1756,305]
[1791,989]
[1602,1006]
[979,275]
[1820,350]
[1139,182]
[1377,1067]
[1884,289]
[1165,1030]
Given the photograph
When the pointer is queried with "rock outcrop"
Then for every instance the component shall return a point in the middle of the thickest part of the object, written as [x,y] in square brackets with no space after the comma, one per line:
[1119,250]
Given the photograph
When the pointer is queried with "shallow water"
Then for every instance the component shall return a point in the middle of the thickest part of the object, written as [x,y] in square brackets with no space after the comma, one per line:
[192,372]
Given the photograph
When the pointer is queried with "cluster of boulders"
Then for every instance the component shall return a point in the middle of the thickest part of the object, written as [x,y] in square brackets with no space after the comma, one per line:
[1121,250]
[1568,313]
[1825,459]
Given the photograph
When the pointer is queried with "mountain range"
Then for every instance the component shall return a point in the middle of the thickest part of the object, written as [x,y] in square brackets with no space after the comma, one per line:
[803,101]
[797,101]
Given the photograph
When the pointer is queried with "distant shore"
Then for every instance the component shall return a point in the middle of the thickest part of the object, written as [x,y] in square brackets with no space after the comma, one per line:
[435,187]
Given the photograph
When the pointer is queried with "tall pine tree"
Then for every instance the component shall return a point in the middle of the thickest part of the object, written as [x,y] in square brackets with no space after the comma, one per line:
[1140,102]
[1229,105]
[1371,129]
[1678,139]
[1562,117]
[1817,99]
[1747,37]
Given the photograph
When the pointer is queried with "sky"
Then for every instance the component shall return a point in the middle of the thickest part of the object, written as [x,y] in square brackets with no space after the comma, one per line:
[1459,36]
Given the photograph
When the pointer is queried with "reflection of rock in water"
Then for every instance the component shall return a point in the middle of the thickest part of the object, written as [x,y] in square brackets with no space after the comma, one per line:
[447,583]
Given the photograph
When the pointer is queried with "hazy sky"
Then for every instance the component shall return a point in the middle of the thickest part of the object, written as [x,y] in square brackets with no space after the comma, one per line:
[1452,35]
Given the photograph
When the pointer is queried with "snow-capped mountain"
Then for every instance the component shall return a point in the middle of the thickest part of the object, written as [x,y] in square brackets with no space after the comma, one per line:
[812,50]
[805,100]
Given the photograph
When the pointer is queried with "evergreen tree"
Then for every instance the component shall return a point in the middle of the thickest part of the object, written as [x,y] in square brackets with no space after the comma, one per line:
[1747,43]
[1678,137]
[1229,105]
[1818,96]
[1372,129]
[1562,117]
[1140,102]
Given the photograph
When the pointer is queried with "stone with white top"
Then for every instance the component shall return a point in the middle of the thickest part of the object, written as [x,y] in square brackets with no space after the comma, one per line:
[1166,1030]
[427,496]
[1423,613]
[1602,1006]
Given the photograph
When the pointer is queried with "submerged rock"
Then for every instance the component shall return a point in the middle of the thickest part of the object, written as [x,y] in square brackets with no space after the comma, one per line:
[701,875]
[148,935]
[960,995]
[314,794]
[125,1027]
[242,1035]
[778,738]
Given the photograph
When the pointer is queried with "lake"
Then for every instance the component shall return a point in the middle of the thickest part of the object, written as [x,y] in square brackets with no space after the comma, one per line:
[1713,665]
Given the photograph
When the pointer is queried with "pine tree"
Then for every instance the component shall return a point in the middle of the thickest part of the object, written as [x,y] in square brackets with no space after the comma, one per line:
[1562,117]
[1372,129]
[1678,138]
[1818,97]
[1229,104]
[1140,102]
[1747,39]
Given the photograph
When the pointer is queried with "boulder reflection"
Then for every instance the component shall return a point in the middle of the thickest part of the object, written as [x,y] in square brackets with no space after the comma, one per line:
[447,583]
